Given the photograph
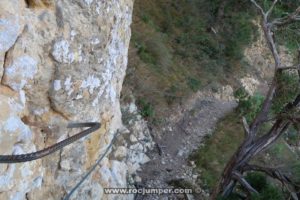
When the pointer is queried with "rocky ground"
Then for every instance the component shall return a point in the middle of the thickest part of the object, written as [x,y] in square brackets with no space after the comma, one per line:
[180,136]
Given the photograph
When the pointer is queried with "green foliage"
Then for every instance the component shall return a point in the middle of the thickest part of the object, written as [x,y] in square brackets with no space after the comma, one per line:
[230,197]
[269,192]
[288,35]
[288,88]
[257,180]
[182,48]
[154,51]
[266,190]
[218,149]
[241,94]
[240,34]
[145,18]
[194,84]
[147,110]
[277,149]
[249,106]
[145,55]
[292,136]
[295,170]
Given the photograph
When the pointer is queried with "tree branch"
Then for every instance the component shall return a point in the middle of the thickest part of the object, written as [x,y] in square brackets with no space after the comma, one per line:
[295,16]
[246,127]
[259,7]
[239,177]
[274,173]
[296,67]
[271,8]
[229,188]
[262,116]
[252,145]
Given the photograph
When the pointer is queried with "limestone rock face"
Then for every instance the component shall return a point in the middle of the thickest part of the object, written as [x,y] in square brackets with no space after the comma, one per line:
[61,61]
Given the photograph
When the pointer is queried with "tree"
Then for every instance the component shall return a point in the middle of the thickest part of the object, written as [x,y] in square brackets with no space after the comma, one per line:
[253,143]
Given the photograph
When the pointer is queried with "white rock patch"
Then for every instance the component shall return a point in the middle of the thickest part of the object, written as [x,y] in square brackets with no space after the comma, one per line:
[249,84]
[61,52]
[9,30]
[88,2]
[12,124]
[57,85]
[91,82]
[19,72]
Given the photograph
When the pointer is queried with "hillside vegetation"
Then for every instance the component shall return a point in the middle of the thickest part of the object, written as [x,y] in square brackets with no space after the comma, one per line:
[179,47]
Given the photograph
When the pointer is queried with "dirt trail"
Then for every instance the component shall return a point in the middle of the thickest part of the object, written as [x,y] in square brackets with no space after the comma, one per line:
[169,162]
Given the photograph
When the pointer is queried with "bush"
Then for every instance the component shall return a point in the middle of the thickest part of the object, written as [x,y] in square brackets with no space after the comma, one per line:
[277,149]
[257,180]
[230,197]
[145,55]
[194,84]
[147,110]
[288,88]
[249,106]
[154,50]
[239,35]
[295,169]
[268,193]
[171,94]
[292,136]
[145,18]
[157,47]
[265,189]
[288,35]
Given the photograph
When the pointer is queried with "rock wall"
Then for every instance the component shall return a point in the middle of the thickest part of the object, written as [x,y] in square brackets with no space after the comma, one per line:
[61,61]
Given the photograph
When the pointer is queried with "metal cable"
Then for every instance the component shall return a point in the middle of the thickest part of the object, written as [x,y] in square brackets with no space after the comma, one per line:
[49,150]
[92,169]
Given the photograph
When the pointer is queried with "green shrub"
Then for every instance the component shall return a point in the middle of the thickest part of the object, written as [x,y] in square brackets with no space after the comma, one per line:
[268,193]
[288,88]
[287,35]
[146,109]
[157,47]
[230,197]
[171,94]
[277,149]
[257,180]
[145,18]
[241,94]
[145,55]
[292,136]
[239,35]
[295,169]
[249,106]
[266,190]
[194,84]
[153,50]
